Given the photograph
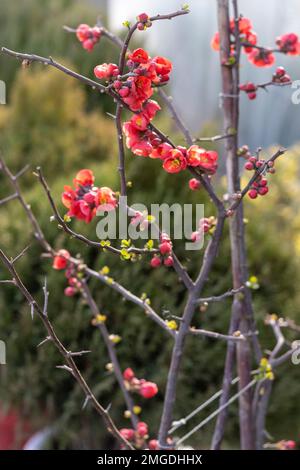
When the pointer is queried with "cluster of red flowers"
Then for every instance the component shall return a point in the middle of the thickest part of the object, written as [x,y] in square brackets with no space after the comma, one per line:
[136,91]
[253,163]
[139,436]
[62,261]
[145,388]
[88,36]
[143,22]
[280,76]
[165,248]
[247,35]
[260,57]
[85,199]
[144,74]
[147,143]
[289,43]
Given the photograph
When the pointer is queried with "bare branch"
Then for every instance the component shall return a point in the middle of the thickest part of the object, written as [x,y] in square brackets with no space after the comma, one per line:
[8,198]
[215,335]
[20,255]
[70,364]
[220,298]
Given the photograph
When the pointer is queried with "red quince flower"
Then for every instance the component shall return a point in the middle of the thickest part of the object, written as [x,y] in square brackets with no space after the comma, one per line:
[261,57]
[163,68]
[142,148]
[250,38]
[133,135]
[139,56]
[148,70]
[106,71]
[150,109]
[84,178]
[206,160]
[148,389]
[83,32]
[175,162]
[215,42]
[289,43]
[162,151]
[60,261]
[140,121]
[245,25]
[88,36]
[106,199]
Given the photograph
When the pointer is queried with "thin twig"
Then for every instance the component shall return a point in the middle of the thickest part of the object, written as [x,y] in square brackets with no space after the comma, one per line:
[216,412]
[220,298]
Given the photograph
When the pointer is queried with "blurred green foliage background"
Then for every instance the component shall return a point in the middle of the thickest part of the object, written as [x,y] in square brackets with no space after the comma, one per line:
[53,121]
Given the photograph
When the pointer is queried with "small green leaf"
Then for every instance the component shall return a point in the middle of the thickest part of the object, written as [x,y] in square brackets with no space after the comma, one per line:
[125,243]
[125,255]
[126,23]
[149,245]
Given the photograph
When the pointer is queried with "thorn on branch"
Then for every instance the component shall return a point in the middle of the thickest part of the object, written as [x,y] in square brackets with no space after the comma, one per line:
[48,338]
[85,403]
[78,353]
[67,368]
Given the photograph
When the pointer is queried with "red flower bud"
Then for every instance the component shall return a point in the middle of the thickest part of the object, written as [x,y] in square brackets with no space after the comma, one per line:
[165,248]
[194,184]
[249,166]
[153,444]
[148,389]
[142,429]
[70,291]
[128,374]
[263,190]
[169,261]
[128,434]
[252,193]
[142,17]
[155,262]
[61,260]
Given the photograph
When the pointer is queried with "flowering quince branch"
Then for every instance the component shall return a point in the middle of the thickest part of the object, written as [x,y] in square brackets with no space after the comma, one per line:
[79,236]
[61,261]
[102,277]
[132,90]
[111,428]
[175,262]
[108,339]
